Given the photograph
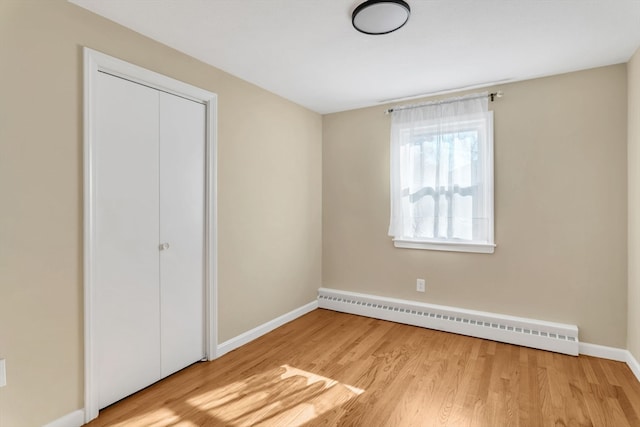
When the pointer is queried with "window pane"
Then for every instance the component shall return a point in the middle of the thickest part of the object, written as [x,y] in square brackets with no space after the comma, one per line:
[445,166]
[463,221]
[423,220]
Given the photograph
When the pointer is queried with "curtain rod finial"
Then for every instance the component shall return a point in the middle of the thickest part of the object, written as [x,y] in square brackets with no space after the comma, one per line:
[494,95]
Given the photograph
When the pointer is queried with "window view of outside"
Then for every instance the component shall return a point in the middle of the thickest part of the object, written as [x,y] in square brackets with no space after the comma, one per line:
[440,178]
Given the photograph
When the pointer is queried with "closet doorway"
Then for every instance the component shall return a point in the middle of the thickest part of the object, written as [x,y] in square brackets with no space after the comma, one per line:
[150,236]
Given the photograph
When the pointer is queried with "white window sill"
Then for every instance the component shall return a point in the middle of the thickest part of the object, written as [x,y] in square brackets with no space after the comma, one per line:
[483,248]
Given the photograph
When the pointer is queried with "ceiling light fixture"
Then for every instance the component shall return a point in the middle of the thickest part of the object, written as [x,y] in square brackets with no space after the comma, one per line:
[380,16]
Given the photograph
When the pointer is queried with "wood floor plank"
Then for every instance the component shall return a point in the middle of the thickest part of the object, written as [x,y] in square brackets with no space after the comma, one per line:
[334,369]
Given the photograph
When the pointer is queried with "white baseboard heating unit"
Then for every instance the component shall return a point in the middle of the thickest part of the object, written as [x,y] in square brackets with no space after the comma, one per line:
[557,337]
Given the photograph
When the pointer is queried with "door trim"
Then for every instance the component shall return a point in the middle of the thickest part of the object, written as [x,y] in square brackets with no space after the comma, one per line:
[96,62]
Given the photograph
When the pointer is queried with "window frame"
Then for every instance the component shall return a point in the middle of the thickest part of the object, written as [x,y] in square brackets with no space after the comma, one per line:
[456,244]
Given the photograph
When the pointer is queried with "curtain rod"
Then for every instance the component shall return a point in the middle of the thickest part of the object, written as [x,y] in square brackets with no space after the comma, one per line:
[492,96]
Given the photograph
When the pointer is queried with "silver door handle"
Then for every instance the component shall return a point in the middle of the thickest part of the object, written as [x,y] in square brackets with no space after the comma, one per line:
[164,246]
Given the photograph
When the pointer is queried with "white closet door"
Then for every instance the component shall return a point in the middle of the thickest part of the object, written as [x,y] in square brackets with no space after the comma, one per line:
[182,195]
[126,261]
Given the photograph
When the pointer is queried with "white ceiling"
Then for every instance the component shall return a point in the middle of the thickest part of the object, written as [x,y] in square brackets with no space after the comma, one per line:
[308,52]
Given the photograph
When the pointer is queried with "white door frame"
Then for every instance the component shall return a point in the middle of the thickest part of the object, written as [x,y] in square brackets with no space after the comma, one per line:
[96,62]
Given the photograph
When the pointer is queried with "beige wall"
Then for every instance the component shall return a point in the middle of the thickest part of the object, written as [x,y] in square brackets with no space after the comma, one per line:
[269,198]
[633,334]
[560,209]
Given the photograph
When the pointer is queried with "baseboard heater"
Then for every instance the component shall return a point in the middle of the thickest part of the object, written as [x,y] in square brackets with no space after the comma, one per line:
[557,337]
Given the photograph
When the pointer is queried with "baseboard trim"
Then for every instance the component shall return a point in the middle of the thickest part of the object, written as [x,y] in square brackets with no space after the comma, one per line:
[73,419]
[263,329]
[603,352]
[633,364]
[543,335]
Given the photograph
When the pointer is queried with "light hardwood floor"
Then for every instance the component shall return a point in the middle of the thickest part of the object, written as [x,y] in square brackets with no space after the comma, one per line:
[334,369]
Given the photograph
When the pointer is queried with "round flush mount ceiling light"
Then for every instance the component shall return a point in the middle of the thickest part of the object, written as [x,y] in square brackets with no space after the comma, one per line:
[380,16]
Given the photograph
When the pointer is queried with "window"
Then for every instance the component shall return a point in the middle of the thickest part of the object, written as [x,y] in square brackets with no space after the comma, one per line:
[442,176]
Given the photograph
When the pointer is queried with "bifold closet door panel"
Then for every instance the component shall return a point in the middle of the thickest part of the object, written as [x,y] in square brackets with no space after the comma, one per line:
[126,267]
[182,231]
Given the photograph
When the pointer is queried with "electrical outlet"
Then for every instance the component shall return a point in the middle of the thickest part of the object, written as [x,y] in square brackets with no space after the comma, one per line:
[3,373]
[420,285]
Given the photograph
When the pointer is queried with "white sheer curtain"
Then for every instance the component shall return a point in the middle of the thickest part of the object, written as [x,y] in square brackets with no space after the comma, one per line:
[442,172]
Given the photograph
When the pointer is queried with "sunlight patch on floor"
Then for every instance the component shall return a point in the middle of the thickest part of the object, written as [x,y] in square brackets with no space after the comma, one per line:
[280,396]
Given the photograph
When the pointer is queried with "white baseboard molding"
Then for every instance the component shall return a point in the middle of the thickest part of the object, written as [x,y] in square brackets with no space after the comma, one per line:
[73,419]
[633,364]
[604,352]
[263,329]
[558,337]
